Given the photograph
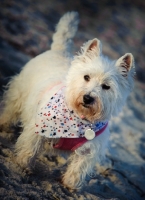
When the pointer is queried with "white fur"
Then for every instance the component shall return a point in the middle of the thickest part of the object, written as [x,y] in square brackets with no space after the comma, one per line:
[46,70]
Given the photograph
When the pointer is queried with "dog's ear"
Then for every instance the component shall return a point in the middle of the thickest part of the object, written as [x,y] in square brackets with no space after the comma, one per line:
[93,47]
[125,64]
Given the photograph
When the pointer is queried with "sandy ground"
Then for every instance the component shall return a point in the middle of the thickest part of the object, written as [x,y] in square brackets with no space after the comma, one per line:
[26,30]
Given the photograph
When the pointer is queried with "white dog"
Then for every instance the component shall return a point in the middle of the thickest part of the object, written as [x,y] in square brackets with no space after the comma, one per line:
[67,101]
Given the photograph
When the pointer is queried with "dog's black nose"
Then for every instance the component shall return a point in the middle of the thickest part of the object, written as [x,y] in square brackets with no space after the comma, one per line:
[88,99]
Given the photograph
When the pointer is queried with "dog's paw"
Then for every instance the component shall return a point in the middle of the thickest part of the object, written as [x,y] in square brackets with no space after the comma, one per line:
[72,181]
[70,187]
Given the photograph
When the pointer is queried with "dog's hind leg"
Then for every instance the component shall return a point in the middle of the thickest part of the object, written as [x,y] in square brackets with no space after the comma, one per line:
[11,103]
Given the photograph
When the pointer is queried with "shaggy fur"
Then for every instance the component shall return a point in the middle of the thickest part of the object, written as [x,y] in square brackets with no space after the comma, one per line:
[106,82]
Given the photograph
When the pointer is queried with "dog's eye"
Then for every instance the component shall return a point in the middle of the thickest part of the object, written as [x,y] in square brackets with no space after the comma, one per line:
[87,78]
[105,87]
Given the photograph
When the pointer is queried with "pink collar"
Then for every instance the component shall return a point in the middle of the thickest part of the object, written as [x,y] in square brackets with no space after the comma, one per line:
[74,143]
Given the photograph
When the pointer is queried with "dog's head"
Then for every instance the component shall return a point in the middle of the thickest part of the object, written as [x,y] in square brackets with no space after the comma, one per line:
[97,87]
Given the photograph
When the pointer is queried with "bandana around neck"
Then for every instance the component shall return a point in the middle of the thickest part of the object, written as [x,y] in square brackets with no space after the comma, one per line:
[55,120]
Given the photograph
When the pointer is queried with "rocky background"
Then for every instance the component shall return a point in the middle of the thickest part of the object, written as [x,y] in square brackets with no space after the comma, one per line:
[26,29]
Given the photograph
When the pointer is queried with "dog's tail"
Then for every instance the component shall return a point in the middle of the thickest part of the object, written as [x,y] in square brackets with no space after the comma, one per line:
[65,31]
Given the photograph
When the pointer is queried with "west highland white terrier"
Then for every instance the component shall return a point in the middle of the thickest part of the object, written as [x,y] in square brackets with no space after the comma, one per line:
[67,101]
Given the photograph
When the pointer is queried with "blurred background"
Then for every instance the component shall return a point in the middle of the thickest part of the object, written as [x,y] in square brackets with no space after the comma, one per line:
[26,29]
[27,26]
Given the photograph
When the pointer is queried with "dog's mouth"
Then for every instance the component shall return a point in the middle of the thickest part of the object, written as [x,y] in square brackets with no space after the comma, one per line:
[85,105]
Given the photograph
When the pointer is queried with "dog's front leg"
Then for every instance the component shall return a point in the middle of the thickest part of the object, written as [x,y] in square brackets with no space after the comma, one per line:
[27,146]
[79,166]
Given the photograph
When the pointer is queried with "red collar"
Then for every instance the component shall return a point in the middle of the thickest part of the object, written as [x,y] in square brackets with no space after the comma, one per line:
[74,143]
